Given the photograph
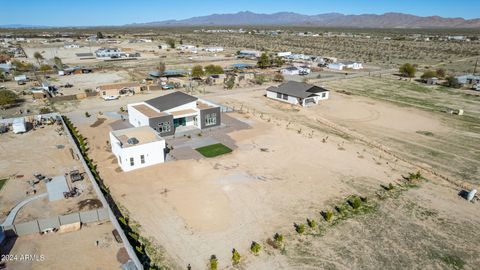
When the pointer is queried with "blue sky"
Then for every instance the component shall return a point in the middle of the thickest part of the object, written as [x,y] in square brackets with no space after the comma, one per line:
[110,12]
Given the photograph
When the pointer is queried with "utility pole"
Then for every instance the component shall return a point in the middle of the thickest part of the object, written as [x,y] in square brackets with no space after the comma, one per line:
[475,68]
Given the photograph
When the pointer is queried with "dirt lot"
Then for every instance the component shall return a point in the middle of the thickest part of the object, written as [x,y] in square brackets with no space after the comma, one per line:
[74,250]
[262,187]
[38,151]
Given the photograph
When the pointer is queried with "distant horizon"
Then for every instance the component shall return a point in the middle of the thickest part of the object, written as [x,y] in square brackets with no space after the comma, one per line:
[50,13]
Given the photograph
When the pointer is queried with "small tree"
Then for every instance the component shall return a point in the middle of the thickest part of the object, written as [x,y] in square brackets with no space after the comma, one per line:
[278,77]
[7,97]
[213,69]
[408,70]
[44,68]
[264,61]
[99,35]
[171,43]
[453,82]
[197,71]
[428,75]
[161,68]
[260,79]
[235,257]
[213,262]
[279,61]
[255,247]
[230,83]
[441,72]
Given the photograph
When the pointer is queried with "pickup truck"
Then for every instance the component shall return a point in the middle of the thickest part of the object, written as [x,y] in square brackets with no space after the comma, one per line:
[167,87]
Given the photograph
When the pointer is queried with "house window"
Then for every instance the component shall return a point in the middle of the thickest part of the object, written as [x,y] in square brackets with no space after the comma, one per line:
[164,127]
[104,93]
[279,95]
[142,159]
[324,94]
[210,119]
[132,162]
[285,97]
[120,159]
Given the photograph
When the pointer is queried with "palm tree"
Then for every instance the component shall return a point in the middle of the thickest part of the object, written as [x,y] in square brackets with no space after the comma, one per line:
[58,63]
[38,56]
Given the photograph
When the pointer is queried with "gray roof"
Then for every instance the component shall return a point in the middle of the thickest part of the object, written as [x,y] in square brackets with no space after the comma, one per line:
[297,89]
[170,101]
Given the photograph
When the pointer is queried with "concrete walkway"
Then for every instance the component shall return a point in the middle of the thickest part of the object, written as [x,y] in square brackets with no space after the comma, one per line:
[11,216]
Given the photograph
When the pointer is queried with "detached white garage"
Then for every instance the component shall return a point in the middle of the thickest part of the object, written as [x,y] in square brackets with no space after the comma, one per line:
[298,93]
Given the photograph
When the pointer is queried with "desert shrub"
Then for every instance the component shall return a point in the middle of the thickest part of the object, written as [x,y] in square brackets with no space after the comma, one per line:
[355,202]
[328,215]
[390,187]
[299,228]
[278,238]
[255,247]
[311,223]
[87,114]
[45,110]
[278,77]
[213,262]
[235,257]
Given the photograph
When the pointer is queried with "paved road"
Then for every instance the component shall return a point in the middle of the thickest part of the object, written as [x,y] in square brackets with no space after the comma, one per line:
[11,216]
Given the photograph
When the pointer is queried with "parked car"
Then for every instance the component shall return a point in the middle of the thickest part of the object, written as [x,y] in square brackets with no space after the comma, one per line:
[167,87]
[107,98]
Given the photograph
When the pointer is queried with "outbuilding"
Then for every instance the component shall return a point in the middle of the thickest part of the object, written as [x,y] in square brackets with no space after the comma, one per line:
[19,125]
[137,147]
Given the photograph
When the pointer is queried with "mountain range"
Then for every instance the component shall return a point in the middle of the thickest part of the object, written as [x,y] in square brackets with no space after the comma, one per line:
[387,20]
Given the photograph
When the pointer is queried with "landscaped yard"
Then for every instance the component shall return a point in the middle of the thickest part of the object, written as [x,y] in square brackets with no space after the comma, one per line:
[2,182]
[214,150]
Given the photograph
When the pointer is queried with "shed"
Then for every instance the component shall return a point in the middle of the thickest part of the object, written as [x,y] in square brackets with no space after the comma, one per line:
[19,125]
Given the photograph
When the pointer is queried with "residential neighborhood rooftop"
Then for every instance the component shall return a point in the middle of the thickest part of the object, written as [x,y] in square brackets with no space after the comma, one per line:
[170,101]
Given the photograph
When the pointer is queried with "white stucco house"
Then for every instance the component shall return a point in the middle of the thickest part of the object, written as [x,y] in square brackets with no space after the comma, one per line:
[71,46]
[174,112]
[109,53]
[214,49]
[137,147]
[298,93]
[300,70]
[345,65]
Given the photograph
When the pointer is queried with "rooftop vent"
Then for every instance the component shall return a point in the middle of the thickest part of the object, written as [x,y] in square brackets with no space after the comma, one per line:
[132,141]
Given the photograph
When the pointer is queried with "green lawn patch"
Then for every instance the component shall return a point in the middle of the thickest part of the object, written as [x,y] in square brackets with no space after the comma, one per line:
[3,182]
[213,150]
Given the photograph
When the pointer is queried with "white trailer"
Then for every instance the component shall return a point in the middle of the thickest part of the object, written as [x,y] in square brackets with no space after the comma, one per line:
[19,125]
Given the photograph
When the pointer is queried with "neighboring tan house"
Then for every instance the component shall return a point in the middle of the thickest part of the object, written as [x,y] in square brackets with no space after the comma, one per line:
[298,93]
[137,147]
[173,112]
[119,89]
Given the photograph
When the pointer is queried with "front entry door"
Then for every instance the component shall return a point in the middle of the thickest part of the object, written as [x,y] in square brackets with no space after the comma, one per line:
[179,122]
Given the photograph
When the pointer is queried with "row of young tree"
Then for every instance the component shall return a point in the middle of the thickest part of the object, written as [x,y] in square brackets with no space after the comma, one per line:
[409,70]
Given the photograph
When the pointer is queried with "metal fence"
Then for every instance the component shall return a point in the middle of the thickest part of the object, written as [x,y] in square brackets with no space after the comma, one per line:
[45,224]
